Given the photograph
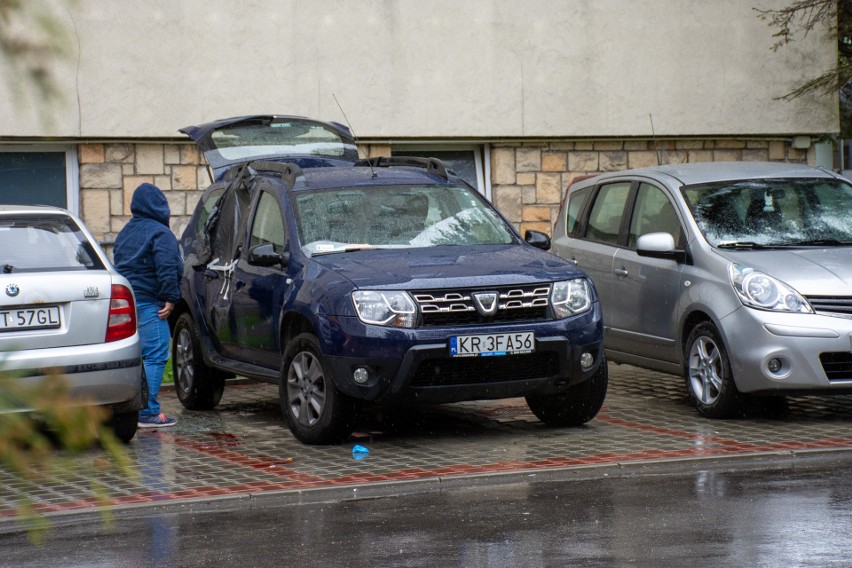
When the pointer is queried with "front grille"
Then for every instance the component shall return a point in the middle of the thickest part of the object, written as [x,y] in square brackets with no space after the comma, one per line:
[837,366]
[479,370]
[444,308]
[837,306]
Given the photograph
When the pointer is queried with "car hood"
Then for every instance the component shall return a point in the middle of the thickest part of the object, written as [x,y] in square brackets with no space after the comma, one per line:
[449,267]
[812,272]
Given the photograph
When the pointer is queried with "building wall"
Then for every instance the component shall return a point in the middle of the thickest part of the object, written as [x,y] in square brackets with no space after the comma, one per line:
[528,179]
[485,69]
[110,172]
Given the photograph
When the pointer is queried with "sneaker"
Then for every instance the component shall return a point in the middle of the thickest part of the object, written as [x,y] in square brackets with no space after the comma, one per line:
[158,421]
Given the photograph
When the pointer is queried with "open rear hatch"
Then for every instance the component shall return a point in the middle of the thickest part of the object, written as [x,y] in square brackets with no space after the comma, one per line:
[306,142]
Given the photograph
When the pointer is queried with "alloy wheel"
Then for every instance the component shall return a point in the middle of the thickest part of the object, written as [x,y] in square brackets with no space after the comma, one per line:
[306,388]
[705,370]
[184,360]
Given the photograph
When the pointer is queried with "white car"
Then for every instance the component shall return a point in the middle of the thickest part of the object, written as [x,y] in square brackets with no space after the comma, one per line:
[64,309]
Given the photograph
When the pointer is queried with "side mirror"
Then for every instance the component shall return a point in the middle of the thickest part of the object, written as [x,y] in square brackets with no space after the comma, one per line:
[659,245]
[265,255]
[537,239]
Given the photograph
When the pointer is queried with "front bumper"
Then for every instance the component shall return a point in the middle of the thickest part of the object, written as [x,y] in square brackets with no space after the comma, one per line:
[415,365]
[108,374]
[754,337]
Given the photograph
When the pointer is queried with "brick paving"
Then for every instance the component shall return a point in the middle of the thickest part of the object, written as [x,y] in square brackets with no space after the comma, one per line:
[243,447]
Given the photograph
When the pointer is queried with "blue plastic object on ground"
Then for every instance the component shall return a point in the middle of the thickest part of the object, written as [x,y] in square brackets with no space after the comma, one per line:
[359,452]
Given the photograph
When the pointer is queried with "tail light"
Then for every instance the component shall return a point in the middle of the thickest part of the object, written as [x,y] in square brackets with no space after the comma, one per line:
[122,314]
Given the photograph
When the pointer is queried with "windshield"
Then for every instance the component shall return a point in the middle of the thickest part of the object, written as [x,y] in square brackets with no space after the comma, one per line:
[290,138]
[356,218]
[773,212]
[38,243]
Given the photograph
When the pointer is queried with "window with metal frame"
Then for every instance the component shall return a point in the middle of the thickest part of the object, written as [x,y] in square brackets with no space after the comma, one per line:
[469,162]
[39,175]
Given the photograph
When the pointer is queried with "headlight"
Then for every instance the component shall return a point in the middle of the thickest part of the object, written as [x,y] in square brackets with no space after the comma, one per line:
[571,297]
[759,290]
[394,309]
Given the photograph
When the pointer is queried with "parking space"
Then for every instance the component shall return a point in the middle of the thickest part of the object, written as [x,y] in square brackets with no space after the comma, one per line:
[244,448]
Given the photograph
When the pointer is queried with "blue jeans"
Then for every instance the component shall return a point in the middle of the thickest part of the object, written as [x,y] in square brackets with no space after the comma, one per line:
[154,337]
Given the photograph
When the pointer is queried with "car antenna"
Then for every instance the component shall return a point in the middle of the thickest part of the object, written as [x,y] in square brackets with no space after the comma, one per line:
[654,135]
[352,130]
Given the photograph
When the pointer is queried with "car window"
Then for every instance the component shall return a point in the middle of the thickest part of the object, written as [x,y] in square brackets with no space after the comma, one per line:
[772,211]
[268,226]
[281,137]
[208,202]
[576,201]
[653,212]
[605,218]
[396,216]
[233,211]
[39,243]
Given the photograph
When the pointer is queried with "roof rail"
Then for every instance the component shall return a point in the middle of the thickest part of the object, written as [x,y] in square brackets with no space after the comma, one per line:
[431,165]
[288,170]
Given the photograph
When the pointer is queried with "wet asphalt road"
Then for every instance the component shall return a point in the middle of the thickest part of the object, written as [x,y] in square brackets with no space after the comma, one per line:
[752,512]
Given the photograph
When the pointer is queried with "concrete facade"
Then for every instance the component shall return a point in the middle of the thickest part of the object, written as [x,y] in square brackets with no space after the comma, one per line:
[428,68]
[548,89]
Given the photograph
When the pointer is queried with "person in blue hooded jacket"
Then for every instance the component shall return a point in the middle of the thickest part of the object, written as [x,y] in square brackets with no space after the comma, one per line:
[146,253]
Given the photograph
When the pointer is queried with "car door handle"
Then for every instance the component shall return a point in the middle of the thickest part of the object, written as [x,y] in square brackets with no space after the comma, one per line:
[621,271]
[211,274]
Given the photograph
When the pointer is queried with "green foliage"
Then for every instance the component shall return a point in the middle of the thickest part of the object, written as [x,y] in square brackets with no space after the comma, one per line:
[42,430]
[33,42]
[168,374]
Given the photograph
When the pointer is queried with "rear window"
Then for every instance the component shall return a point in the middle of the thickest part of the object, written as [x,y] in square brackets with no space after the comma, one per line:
[41,243]
[290,138]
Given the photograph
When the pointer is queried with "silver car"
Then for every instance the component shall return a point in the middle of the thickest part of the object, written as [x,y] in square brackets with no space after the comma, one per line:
[64,309]
[736,275]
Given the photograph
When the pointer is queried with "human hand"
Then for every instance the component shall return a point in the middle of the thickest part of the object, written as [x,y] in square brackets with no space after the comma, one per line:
[166,311]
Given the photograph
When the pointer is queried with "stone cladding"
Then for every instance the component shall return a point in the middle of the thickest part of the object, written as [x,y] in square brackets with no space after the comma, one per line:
[529,179]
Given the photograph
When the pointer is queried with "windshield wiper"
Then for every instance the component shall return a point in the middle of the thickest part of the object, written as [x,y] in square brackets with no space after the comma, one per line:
[818,243]
[351,248]
[741,245]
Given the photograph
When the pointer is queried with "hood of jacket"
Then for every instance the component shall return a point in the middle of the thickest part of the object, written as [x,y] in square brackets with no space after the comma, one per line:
[149,202]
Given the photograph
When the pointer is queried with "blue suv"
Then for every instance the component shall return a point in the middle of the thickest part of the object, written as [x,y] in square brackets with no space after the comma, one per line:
[384,281]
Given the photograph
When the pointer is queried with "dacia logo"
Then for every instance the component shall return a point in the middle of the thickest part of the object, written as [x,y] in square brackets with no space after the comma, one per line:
[12,290]
[485,303]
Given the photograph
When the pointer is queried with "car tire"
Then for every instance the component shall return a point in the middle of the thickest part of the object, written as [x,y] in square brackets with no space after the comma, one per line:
[198,386]
[315,410]
[124,425]
[575,406]
[708,375]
